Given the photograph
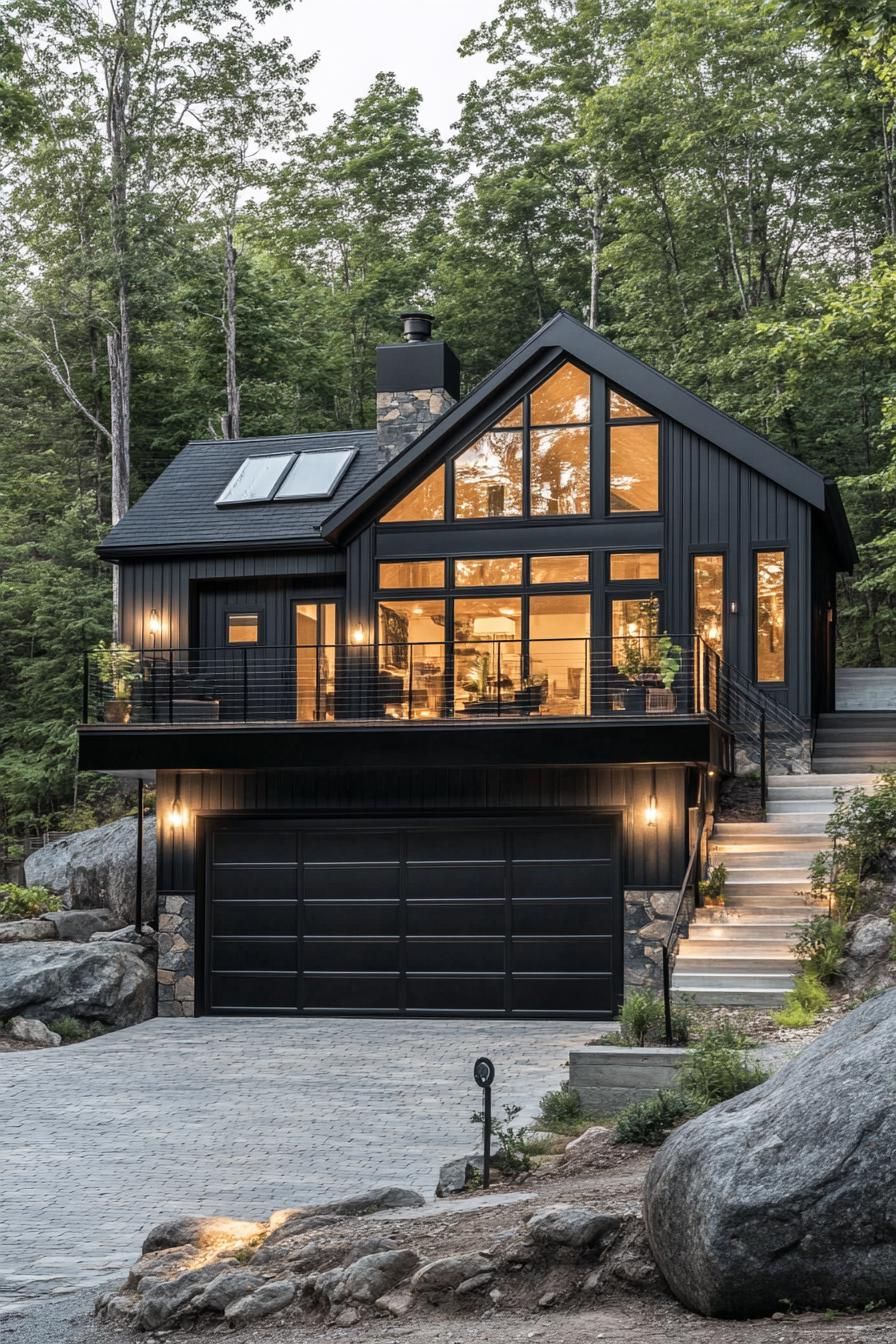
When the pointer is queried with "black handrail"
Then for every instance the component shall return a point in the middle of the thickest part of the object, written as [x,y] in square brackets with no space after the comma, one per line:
[690,880]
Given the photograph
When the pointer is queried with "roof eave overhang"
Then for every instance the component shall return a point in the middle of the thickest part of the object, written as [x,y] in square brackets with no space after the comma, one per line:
[564,335]
[174,549]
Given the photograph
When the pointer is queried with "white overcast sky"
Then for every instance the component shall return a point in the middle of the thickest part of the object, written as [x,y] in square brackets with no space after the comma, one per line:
[417,39]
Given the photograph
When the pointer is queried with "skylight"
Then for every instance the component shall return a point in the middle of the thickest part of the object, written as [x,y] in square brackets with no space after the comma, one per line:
[256,479]
[316,475]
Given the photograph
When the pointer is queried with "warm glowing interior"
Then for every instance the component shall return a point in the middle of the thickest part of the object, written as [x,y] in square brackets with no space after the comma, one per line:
[559,650]
[634,469]
[424,504]
[622,408]
[315,661]
[489,572]
[709,600]
[242,627]
[411,653]
[558,569]
[412,574]
[770,616]
[626,566]
[488,476]
[562,399]
[634,625]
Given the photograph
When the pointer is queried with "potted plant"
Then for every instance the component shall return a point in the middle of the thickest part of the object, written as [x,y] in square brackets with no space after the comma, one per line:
[666,662]
[532,695]
[117,668]
[712,888]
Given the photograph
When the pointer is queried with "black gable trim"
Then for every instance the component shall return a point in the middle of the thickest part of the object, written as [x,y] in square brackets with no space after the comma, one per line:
[563,335]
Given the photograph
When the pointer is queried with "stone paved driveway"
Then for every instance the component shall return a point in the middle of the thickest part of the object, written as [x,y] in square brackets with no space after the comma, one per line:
[227,1115]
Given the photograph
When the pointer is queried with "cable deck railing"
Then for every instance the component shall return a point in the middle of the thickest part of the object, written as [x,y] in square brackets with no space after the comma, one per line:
[463,680]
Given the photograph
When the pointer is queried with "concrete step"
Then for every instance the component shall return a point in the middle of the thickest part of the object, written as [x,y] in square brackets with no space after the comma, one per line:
[730,980]
[715,997]
[740,927]
[736,964]
[694,949]
[835,733]
[843,780]
[816,802]
[837,765]
[792,848]
[828,750]
[783,826]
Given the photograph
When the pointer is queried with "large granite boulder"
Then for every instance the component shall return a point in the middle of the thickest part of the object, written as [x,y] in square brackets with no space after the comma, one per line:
[100,982]
[99,868]
[785,1194]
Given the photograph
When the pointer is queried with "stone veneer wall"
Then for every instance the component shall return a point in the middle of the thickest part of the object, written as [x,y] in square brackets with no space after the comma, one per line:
[648,918]
[401,417]
[177,925]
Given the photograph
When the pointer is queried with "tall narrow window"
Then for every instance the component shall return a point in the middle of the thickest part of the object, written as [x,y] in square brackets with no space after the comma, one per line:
[411,658]
[560,444]
[709,600]
[770,616]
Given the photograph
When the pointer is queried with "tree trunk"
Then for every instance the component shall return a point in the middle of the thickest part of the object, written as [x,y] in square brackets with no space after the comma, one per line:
[231,422]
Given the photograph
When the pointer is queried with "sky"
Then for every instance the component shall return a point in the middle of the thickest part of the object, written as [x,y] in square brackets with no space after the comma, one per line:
[417,39]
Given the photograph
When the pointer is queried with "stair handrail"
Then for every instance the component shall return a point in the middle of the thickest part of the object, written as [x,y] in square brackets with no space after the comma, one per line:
[689,883]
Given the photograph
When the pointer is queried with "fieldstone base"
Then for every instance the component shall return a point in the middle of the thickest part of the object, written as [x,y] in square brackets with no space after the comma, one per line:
[792,758]
[177,922]
[648,919]
[401,417]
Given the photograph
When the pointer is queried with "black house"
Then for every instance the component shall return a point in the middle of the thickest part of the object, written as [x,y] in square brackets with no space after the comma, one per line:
[430,708]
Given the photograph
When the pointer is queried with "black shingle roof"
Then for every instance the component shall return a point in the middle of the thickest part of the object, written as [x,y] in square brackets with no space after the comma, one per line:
[178,511]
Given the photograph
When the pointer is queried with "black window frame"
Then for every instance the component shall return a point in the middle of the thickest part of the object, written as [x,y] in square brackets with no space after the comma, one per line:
[760,548]
[610,423]
[243,612]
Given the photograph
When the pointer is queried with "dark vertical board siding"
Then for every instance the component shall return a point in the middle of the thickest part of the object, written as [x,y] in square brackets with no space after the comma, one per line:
[654,856]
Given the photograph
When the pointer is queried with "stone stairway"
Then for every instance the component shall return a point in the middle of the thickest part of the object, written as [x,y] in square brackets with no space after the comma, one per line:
[863,688]
[741,954]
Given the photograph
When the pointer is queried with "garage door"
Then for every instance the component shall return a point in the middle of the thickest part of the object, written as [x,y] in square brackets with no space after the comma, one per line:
[438,917]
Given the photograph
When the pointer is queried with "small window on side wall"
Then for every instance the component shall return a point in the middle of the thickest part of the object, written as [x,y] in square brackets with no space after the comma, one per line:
[242,627]
[770,616]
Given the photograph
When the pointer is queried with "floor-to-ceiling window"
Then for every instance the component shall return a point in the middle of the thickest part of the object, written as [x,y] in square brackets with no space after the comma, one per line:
[770,616]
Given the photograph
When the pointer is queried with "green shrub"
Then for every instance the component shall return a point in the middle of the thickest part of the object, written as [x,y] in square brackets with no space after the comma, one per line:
[863,829]
[649,1122]
[682,1024]
[641,1015]
[561,1109]
[820,946]
[509,1138]
[25,902]
[803,1003]
[792,1015]
[717,1070]
[712,888]
[72,1029]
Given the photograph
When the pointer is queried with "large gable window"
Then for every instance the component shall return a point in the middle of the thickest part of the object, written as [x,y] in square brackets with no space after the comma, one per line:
[634,453]
[533,462]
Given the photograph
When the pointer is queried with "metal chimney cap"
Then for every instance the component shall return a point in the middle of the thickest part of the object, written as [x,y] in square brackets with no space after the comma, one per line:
[417,326]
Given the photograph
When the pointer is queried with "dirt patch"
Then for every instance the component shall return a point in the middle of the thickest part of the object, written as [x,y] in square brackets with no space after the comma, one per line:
[740,799]
[605,1176]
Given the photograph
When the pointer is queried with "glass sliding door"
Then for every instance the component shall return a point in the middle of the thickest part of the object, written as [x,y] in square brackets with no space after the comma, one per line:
[487,653]
[315,635]
[410,679]
[559,652]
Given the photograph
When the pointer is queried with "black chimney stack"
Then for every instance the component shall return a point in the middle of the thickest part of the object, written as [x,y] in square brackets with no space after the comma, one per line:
[416,382]
[417,326]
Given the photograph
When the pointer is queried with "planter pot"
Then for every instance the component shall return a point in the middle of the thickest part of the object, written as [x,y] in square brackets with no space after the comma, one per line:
[661,701]
[117,711]
[608,1077]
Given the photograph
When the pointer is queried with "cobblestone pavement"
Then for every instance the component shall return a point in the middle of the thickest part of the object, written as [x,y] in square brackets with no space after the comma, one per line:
[235,1116]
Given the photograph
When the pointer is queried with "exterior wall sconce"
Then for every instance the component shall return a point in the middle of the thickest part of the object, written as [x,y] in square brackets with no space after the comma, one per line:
[359,635]
[732,607]
[177,815]
[155,623]
[651,812]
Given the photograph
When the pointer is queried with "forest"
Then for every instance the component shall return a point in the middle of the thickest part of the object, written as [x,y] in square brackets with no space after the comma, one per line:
[710,183]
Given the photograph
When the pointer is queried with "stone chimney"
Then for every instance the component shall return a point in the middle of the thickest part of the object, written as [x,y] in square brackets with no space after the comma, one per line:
[416,382]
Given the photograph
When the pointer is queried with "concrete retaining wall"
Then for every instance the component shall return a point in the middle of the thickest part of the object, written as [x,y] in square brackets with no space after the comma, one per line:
[608,1077]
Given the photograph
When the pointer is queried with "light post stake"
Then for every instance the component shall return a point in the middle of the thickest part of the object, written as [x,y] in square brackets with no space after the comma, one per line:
[484,1076]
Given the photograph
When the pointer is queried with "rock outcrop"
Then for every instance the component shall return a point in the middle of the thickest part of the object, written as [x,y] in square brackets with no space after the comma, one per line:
[783,1195]
[98,868]
[110,982]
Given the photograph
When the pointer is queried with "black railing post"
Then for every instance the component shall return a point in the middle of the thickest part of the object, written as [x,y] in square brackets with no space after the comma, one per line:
[85,688]
[763,766]
[245,685]
[667,995]
[410,682]
[170,685]
[138,884]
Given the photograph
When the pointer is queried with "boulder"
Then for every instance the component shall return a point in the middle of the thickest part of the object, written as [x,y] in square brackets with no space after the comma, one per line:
[595,1136]
[264,1301]
[574,1225]
[161,1264]
[78,926]
[98,867]
[146,941]
[169,1299]
[372,1201]
[32,1031]
[204,1233]
[465,1173]
[782,1195]
[375,1275]
[26,931]
[440,1276]
[868,952]
[226,1288]
[100,982]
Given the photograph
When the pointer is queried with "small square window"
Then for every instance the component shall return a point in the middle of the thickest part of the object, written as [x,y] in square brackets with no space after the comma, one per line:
[626,566]
[242,627]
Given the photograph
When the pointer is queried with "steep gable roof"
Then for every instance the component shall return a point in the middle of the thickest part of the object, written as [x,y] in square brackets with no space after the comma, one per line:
[178,512]
[564,334]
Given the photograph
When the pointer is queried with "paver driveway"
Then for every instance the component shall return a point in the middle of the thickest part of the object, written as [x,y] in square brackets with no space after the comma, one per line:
[226,1115]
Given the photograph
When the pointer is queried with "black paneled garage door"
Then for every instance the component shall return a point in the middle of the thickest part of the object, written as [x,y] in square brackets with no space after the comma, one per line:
[518,915]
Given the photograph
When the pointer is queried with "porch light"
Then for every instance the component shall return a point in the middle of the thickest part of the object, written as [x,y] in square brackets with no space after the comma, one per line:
[176,815]
[155,623]
[713,633]
[358,634]
[651,812]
